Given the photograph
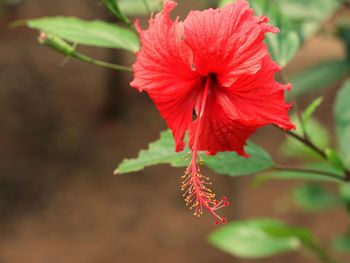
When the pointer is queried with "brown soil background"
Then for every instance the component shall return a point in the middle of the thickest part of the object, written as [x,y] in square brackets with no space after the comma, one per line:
[64,130]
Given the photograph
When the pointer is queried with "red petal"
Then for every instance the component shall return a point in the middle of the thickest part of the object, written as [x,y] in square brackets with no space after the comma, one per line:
[163,70]
[232,114]
[227,41]
[259,99]
[220,131]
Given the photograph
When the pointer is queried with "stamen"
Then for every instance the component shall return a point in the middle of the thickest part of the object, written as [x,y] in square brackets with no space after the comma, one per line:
[197,194]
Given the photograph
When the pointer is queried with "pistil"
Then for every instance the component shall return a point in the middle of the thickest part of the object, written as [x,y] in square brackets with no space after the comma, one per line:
[195,185]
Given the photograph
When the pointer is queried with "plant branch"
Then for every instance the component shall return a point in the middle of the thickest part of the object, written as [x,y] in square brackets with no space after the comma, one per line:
[100,63]
[69,51]
[304,138]
[308,143]
[310,171]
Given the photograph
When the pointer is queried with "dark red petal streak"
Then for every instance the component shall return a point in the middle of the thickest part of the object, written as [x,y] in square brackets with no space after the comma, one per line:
[227,41]
[163,69]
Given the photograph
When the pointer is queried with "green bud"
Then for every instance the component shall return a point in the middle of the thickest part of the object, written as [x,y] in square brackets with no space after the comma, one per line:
[56,43]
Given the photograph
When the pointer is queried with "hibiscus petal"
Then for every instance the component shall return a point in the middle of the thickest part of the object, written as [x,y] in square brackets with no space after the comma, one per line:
[259,99]
[219,131]
[227,41]
[232,114]
[163,70]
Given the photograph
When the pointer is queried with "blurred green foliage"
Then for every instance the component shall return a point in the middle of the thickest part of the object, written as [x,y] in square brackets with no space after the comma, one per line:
[313,197]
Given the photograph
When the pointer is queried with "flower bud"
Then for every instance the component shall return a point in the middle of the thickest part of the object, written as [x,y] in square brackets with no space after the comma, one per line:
[56,43]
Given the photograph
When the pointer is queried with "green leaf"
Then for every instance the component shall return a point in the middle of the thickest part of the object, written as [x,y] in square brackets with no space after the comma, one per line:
[230,163]
[319,76]
[224,2]
[258,238]
[313,10]
[307,16]
[318,134]
[162,151]
[313,197]
[310,110]
[159,152]
[342,243]
[113,7]
[344,34]
[91,33]
[342,120]
[284,45]
[137,7]
[297,19]
[344,192]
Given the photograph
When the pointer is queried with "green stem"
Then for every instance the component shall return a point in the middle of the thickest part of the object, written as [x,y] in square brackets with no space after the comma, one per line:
[304,138]
[68,50]
[100,63]
[307,142]
[310,171]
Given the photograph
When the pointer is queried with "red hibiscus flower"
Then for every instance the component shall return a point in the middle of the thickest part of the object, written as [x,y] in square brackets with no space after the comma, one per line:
[213,77]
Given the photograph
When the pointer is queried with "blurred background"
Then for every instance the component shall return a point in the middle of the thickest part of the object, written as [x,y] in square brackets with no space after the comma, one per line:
[63,131]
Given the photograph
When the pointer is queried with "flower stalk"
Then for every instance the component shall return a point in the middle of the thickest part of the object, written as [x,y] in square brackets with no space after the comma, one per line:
[68,50]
